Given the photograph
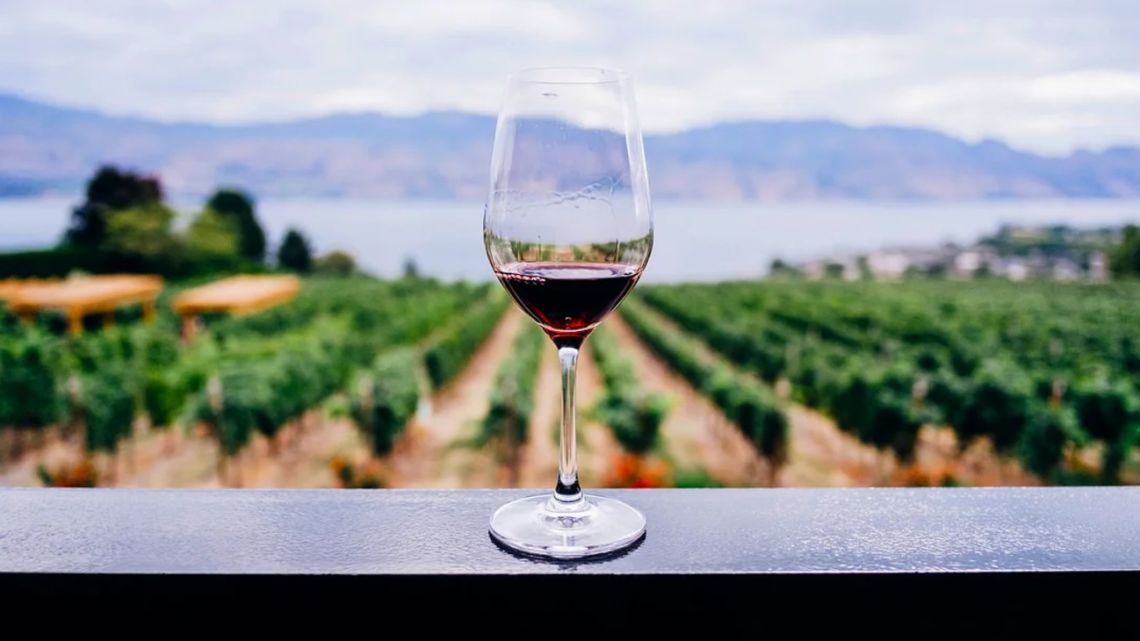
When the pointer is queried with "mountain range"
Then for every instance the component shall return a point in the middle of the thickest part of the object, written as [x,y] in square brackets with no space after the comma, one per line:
[52,149]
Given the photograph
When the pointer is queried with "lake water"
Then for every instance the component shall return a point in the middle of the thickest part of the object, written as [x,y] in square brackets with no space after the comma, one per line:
[693,241]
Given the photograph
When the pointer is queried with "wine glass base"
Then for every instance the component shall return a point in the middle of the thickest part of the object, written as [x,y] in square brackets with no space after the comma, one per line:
[539,525]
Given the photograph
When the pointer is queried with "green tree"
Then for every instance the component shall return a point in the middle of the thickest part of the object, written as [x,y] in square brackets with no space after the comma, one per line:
[238,207]
[108,191]
[143,231]
[1125,257]
[295,253]
[778,267]
[211,235]
[336,263]
[411,269]
[937,270]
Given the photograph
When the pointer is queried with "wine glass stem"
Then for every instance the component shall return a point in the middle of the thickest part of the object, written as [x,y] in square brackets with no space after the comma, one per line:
[567,491]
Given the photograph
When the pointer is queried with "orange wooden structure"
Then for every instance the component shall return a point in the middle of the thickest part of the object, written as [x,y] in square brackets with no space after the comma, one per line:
[78,297]
[237,295]
[9,286]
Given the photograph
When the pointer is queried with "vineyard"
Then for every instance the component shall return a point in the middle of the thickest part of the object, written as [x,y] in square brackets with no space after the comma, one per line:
[414,383]
[358,341]
[1044,373]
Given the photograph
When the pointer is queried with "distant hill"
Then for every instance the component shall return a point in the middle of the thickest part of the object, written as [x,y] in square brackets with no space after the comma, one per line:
[46,149]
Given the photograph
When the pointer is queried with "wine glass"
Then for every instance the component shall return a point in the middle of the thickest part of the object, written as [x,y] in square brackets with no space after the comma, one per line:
[568,230]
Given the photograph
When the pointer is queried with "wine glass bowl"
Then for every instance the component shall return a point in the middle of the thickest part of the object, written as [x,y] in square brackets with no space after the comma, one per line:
[568,231]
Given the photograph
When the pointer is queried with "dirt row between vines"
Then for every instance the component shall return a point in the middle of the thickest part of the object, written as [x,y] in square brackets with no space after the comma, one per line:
[298,456]
[432,452]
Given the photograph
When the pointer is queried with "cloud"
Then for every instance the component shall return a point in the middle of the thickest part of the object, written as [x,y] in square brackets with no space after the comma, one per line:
[1043,75]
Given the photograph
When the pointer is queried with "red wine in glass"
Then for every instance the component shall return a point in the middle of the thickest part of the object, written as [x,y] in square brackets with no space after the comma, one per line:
[568,300]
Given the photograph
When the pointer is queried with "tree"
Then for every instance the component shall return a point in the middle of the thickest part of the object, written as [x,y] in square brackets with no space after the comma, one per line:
[295,253]
[937,270]
[211,235]
[142,231]
[239,208]
[411,269]
[108,191]
[336,263]
[1125,257]
[778,267]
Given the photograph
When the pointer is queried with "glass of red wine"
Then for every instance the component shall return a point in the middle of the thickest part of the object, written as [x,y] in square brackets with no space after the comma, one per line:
[568,229]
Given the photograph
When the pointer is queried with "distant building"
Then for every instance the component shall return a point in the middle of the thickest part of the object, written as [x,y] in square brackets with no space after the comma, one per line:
[888,265]
[971,261]
[1015,269]
[1015,252]
[967,262]
[814,269]
[1066,269]
[1038,263]
[1098,267]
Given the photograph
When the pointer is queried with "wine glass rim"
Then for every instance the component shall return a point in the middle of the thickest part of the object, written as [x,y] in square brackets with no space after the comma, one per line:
[572,75]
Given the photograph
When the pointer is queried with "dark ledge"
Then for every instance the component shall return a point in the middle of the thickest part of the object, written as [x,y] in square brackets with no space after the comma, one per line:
[690,531]
[743,549]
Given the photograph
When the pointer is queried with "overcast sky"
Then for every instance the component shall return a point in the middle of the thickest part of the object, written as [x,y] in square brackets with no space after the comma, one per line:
[1048,76]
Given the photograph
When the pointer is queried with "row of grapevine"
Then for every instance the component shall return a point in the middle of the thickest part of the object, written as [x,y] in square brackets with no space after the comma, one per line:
[94,382]
[263,394]
[28,394]
[385,397]
[632,414]
[506,424]
[446,355]
[752,406]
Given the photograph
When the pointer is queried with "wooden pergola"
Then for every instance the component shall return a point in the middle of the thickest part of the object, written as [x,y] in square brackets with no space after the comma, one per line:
[9,286]
[78,297]
[237,295]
